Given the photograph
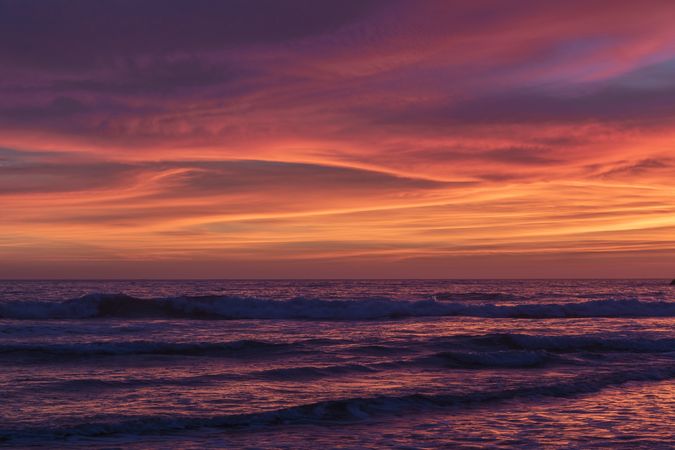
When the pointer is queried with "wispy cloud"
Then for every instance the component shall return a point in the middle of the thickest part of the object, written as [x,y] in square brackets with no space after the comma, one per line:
[336,133]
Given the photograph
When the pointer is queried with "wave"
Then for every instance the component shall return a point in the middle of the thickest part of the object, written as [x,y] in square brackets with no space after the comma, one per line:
[235,348]
[477,296]
[242,308]
[490,350]
[313,372]
[441,360]
[527,342]
[343,410]
[499,359]
[302,373]
[450,359]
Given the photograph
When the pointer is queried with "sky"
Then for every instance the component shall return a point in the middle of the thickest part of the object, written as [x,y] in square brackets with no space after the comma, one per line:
[337,139]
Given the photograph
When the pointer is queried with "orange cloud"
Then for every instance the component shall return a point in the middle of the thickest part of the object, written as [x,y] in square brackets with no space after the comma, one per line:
[398,138]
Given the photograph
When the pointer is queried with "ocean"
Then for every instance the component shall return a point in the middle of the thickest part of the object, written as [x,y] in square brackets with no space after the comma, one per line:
[301,364]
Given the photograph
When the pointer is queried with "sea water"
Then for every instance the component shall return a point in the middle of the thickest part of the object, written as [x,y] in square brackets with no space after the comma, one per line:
[337,364]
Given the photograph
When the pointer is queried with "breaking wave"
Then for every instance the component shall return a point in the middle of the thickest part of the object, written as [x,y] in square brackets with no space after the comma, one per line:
[223,307]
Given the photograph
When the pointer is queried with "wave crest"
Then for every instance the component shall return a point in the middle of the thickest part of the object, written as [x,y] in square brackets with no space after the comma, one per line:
[225,307]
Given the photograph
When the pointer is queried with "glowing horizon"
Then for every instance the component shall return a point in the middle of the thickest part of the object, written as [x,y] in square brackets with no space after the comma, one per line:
[362,139]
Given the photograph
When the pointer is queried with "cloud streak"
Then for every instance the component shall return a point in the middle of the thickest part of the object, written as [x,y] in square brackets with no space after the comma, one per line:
[400,137]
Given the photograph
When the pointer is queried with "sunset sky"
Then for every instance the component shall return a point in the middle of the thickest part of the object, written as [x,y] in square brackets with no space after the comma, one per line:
[330,139]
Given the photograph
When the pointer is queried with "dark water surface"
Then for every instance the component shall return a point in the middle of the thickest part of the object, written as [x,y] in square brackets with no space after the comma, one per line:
[337,364]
